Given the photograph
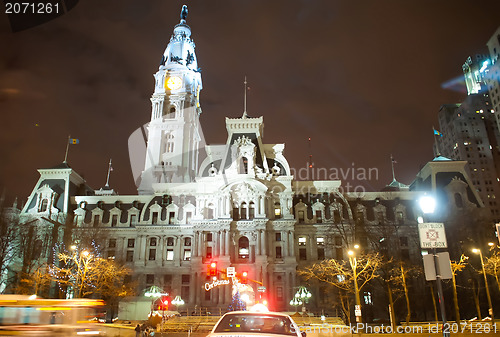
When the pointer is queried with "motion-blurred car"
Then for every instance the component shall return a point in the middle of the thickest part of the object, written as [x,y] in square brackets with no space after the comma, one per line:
[250,324]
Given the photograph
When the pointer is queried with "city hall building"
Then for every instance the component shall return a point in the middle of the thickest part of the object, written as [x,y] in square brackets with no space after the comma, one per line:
[236,204]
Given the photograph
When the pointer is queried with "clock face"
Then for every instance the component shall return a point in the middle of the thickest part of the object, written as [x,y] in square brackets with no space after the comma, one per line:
[173,83]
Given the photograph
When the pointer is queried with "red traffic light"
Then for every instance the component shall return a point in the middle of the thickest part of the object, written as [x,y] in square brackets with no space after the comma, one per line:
[212,269]
[244,277]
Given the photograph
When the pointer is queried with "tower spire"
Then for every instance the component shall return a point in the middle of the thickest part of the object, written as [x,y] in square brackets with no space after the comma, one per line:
[245,115]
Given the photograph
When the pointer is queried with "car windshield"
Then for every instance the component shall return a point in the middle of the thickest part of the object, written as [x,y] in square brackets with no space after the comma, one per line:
[256,323]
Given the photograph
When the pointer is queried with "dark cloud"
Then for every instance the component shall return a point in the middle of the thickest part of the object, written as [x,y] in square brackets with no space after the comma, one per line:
[362,78]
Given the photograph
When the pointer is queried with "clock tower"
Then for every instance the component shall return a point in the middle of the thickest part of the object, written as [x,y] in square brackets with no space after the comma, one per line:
[174,133]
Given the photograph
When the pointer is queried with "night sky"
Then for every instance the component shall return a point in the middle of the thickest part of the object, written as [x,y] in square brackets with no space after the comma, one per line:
[363,79]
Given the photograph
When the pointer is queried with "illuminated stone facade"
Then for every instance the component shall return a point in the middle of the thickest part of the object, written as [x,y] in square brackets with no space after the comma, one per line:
[236,204]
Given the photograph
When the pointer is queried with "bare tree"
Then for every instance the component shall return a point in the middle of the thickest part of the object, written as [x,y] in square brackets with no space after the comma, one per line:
[349,276]
[456,267]
[492,267]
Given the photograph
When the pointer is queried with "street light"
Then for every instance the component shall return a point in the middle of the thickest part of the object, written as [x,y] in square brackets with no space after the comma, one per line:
[295,302]
[427,204]
[490,307]
[302,295]
[354,266]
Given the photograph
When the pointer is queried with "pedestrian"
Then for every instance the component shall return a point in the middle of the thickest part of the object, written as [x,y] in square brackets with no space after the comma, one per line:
[143,330]
[138,331]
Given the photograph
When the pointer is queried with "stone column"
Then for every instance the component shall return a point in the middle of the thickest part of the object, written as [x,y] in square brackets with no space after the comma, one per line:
[262,239]
[259,252]
[195,244]
[215,248]
[200,243]
[228,234]
[291,241]
[286,238]
[222,242]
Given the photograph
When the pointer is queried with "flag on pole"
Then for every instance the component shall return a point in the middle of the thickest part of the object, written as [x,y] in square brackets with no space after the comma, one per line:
[437,133]
[74,141]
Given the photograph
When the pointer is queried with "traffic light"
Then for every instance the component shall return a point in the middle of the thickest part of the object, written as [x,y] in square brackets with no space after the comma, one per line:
[244,277]
[212,269]
[164,302]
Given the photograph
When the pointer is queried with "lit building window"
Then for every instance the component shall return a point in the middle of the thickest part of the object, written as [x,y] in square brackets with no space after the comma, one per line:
[302,241]
[320,241]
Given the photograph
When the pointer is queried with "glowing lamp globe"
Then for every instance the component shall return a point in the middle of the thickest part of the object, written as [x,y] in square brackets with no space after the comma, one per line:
[427,204]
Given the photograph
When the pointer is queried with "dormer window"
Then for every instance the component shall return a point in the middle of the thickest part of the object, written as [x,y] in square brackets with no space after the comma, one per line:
[43,205]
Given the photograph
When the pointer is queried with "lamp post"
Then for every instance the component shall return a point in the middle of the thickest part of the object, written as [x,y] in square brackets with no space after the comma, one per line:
[303,295]
[295,302]
[490,307]
[354,266]
[428,205]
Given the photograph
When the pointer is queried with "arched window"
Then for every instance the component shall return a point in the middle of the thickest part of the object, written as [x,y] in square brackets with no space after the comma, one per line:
[277,210]
[210,211]
[251,210]
[243,248]
[458,200]
[243,211]
[245,165]
[43,205]
[169,145]
[236,212]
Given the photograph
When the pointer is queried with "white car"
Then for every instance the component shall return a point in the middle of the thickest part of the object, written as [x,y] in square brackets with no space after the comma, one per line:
[251,324]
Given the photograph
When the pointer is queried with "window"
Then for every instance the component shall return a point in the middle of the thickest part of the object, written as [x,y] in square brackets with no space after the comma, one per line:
[251,210]
[320,241]
[43,205]
[170,241]
[278,253]
[131,243]
[243,247]
[302,254]
[321,253]
[458,200]
[400,217]
[278,236]
[209,252]
[209,237]
[155,218]
[279,293]
[112,243]
[111,254]
[170,254]
[339,253]
[187,241]
[188,216]
[301,216]
[96,220]
[236,213]
[133,220]
[130,256]
[338,241]
[302,241]
[318,216]
[171,217]
[114,220]
[150,278]
[243,210]
[187,254]
[152,241]
[277,210]
[186,279]
[152,254]
[403,240]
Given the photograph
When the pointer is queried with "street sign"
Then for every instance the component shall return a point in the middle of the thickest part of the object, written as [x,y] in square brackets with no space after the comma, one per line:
[230,271]
[444,266]
[432,235]
[261,289]
[357,310]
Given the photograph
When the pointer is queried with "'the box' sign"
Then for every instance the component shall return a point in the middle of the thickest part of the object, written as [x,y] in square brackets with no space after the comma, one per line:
[432,235]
